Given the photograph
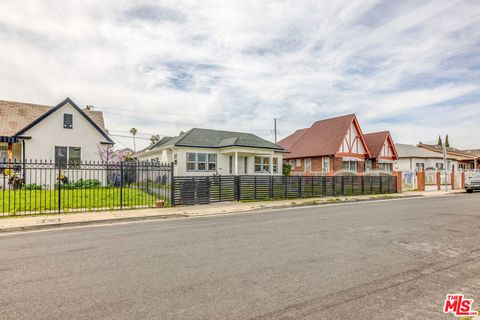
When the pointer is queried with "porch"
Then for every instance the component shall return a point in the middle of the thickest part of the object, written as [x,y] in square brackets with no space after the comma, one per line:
[10,149]
[241,162]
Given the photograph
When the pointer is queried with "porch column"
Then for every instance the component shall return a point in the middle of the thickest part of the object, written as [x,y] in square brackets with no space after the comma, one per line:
[271,164]
[236,163]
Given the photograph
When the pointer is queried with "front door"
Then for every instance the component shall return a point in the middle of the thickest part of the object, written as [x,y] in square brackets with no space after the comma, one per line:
[241,165]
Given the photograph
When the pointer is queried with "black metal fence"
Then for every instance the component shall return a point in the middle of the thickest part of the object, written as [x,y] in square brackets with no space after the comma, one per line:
[36,187]
[202,190]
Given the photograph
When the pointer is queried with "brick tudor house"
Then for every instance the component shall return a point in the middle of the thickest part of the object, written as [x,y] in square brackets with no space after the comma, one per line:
[338,145]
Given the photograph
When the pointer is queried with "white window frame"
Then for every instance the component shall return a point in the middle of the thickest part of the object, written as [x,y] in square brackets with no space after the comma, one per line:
[291,163]
[275,165]
[68,153]
[190,161]
[6,153]
[385,166]
[298,163]
[262,164]
[211,162]
[349,169]
[309,161]
[326,168]
[420,165]
[197,162]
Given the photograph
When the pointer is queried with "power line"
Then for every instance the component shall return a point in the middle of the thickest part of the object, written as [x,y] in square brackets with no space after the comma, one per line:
[122,136]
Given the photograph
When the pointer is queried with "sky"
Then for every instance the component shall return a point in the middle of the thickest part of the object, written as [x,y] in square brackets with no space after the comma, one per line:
[410,67]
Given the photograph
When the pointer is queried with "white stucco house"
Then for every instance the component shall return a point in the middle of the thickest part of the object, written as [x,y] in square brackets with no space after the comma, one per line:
[63,133]
[206,152]
[413,158]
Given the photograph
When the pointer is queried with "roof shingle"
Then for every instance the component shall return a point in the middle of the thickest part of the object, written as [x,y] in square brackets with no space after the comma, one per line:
[17,115]
[323,138]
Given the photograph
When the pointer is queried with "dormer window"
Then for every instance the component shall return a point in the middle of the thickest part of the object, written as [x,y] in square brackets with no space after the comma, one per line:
[67,121]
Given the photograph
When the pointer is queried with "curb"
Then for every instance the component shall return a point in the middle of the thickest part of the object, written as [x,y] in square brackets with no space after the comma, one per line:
[97,222]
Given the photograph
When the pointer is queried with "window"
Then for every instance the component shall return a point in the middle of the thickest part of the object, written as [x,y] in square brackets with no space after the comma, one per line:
[420,166]
[266,164]
[385,166]
[262,164]
[230,164]
[245,165]
[70,155]
[74,157]
[212,162]
[175,159]
[298,163]
[275,165]
[3,153]
[258,164]
[325,164]
[67,121]
[439,165]
[368,165]
[461,166]
[191,159]
[292,163]
[201,161]
[350,166]
[308,165]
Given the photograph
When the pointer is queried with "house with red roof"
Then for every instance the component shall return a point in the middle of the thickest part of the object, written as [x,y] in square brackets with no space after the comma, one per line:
[327,147]
[383,153]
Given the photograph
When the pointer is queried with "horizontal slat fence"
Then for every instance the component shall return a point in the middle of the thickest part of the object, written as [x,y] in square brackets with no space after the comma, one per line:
[202,190]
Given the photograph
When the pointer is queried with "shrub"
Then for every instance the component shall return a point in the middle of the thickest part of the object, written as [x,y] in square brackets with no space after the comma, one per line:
[81,184]
[286,169]
[31,186]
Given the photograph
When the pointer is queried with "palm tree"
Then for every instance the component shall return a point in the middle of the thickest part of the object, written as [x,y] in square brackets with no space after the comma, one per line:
[133,131]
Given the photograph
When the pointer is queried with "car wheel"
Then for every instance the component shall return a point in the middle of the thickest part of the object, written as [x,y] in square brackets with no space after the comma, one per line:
[469,190]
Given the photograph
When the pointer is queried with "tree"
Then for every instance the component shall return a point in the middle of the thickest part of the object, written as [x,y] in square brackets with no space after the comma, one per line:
[154,139]
[133,131]
[439,143]
[447,144]
[286,169]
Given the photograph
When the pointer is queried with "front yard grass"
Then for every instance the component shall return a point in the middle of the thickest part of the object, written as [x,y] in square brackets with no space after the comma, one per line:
[39,201]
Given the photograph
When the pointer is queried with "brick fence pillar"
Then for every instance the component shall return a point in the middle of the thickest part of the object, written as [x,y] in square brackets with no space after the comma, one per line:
[398,174]
[421,180]
[439,180]
[463,180]
[452,179]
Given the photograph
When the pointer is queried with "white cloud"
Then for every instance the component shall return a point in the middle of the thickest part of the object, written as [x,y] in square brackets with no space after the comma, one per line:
[172,65]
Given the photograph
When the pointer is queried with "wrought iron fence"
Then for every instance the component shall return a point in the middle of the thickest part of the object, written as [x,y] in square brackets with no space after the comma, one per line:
[202,190]
[35,187]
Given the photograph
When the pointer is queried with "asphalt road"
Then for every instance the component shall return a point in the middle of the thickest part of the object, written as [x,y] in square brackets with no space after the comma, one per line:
[378,260]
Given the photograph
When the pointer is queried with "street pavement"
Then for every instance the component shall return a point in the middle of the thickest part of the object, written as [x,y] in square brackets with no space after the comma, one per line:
[394,259]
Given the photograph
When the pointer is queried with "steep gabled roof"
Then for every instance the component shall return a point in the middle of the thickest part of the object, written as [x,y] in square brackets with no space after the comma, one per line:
[375,142]
[323,138]
[18,117]
[289,141]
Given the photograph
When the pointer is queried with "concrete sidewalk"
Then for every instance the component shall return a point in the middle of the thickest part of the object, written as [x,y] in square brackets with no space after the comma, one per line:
[19,223]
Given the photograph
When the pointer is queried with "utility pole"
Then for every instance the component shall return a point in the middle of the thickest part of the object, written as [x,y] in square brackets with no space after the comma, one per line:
[445,165]
[275,129]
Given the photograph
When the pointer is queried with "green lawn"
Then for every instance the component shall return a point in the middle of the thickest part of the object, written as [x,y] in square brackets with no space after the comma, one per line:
[37,201]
